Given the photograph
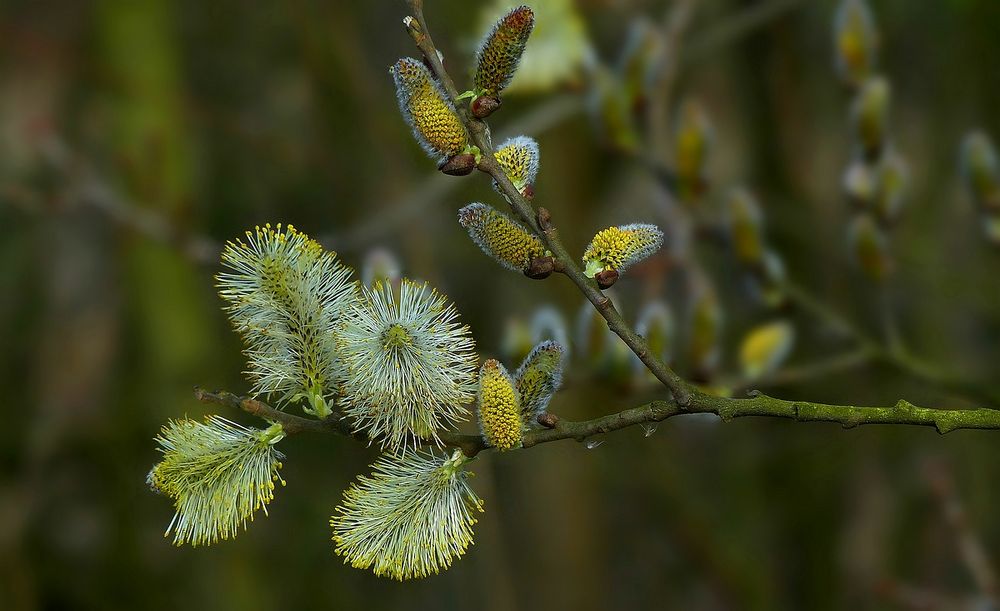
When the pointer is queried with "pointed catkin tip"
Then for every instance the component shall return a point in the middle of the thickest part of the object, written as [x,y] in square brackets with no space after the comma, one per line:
[500,52]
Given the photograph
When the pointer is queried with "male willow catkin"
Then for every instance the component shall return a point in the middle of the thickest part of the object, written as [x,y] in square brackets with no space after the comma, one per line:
[410,519]
[518,158]
[218,474]
[410,363]
[285,295]
[499,407]
[500,237]
[538,378]
[426,108]
[500,52]
[619,248]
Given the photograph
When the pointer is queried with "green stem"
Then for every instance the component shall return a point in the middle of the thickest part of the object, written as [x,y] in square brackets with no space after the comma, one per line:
[758,405]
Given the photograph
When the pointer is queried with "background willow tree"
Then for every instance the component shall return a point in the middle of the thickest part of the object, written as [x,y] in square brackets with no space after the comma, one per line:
[119,138]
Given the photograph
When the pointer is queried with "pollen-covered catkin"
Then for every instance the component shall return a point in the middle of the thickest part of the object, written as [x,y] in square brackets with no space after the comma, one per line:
[501,50]
[410,519]
[285,294]
[436,125]
[499,407]
[500,237]
[618,248]
[218,474]
[411,364]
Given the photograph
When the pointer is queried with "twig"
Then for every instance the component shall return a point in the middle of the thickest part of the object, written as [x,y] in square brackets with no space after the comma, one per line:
[760,405]
[970,546]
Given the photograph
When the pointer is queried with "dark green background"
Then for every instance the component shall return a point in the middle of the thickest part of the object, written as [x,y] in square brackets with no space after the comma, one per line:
[214,116]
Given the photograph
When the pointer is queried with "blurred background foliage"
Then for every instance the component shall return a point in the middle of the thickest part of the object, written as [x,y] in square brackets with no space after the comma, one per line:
[136,136]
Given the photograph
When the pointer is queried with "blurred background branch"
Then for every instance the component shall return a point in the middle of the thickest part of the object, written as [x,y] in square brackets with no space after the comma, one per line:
[190,123]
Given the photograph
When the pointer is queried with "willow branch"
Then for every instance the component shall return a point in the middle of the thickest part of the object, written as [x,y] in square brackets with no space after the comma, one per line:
[758,405]
[565,263]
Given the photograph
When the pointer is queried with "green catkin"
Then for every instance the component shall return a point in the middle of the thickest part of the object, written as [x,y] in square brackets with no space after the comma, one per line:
[538,378]
[218,474]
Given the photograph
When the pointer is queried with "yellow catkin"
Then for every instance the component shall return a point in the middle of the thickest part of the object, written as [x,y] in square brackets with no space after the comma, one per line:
[746,227]
[499,407]
[765,348]
[619,248]
[856,40]
[435,123]
[518,158]
[500,237]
